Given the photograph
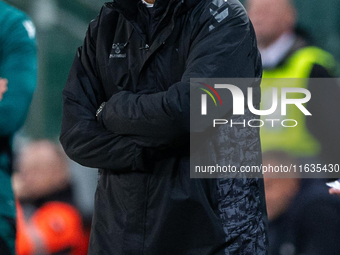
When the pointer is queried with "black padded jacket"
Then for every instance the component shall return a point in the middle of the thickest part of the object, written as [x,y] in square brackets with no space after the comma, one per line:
[145,201]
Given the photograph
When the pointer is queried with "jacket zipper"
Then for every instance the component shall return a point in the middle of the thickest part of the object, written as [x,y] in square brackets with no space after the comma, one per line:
[157,42]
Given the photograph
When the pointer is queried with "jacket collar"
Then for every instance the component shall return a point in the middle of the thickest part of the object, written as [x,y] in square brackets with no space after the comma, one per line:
[129,8]
[191,3]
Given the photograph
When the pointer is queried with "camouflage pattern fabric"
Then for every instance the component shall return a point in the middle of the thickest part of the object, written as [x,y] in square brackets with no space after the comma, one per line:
[239,199]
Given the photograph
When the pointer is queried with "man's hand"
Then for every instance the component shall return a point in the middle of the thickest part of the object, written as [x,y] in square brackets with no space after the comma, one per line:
[334,191]
[3,87]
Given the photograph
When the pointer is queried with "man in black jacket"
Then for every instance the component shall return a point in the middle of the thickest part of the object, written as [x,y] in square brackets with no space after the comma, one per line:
[126,112]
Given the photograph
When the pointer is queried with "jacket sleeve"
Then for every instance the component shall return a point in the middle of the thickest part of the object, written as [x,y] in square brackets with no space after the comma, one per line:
[224,48]
[82,137]
[18,65]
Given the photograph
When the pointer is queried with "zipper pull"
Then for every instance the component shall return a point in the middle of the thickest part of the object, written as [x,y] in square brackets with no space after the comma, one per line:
[146,47]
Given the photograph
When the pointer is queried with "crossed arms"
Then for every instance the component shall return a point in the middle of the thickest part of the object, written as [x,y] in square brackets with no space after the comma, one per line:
[131,125]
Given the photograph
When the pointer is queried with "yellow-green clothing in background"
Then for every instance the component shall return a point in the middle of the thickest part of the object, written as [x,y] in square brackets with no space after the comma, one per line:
[314,135]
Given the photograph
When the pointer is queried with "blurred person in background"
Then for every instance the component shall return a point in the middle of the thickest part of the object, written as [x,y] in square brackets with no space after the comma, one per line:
[18,69]
[48,222]
[286,54]
[303,217]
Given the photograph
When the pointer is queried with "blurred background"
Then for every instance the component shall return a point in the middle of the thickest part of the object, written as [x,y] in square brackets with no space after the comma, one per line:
[61,27]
